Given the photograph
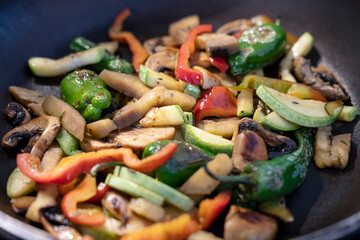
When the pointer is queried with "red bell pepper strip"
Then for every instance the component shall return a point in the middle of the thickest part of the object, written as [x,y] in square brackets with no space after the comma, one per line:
[182,70]
[137,49]
[102,189]
[210,209]
[238,34]
[84,191]
[215,102]
[294,89]
[220,62]
[176,229]
[71,167]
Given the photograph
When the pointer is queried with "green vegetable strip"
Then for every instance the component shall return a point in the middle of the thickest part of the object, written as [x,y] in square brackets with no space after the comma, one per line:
[68,143]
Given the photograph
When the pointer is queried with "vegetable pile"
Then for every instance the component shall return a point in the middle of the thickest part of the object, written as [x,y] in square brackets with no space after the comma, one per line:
[198,131]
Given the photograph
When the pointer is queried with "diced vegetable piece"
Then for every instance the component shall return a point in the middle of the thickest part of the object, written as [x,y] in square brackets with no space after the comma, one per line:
[171,195]
[19,185]
[68,143]
[147,209]
[348,114]
[133,189]
[164,116]
[207,141]
[203,235]
[21,204]
[26,96]
[192,90]
[152,79]
[308,113]
[189,118]
[47,67]
[277,123]
[201,183]
[277,209]
[117,205]
[224,127]
[331,107]
[245,105]
[100,128]
[258,114]
[301,48]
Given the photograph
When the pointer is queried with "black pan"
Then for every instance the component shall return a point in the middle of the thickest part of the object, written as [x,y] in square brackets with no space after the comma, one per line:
[326,206]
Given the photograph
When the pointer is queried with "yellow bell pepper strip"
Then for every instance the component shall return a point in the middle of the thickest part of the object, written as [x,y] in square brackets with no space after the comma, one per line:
[294,89]
[176,229]
[71,167]
[84,191]
[115,33]
[182,70]
[210,209]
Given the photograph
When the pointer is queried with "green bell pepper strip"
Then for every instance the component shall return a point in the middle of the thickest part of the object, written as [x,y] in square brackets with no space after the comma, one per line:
[183,163]
[86,93]
[109,61]
[259,46]
[68,143]
[269,180]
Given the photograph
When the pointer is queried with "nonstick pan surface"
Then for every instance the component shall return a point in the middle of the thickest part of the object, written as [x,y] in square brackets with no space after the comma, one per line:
[325,206]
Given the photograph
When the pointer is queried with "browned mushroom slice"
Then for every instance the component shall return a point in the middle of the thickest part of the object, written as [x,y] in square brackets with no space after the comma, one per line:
[217,44]
[26,96]
[242,223]
[248,147]
[261,19]
[21,204]
[37,109]
[152,43]
[163,61]
[174,97]
[180,29]
[200,58]
[17,114]
[100,128]
[127,84]
[321,79]
[208,78]
[236,26]
[117,205]
[93,144]
[224,127]
[203,235]
[277,145]
[57,224]
[138,138]
[71,119]
[47,126]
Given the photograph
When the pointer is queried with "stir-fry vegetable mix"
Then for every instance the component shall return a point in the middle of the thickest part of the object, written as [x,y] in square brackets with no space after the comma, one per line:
[208,125]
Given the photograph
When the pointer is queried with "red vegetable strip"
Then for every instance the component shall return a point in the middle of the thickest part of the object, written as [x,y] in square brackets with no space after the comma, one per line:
[84,191]
[101,190]
[210,209]
[220,62]
[182,70]
[71,167]
[118,22]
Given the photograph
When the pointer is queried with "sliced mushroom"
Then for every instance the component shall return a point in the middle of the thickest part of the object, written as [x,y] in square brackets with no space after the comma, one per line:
[94,144]
[152,43]
[162,61]
[21,204]
[224,127]
[138,138]
[100,128]
[51,157]
[57,224]
[227,81]
[47,126]
[26,96]
[208,78]
[321,79]
[331,151]
[147,209]
[200,58]
[37,109]
[180,29]
[71,119]
[261,19]
[117,205]
[218,44]
[248,147]
[203,235]
[277,145]
[236,26]
[242,223]
[127,84]
[17,114]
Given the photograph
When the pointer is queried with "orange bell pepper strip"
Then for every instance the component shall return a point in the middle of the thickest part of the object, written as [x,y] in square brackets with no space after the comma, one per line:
[71,167]
[210,209]
[137,49]
[84,191]
[182,70]
[176,229]
[294,89]
[215,102]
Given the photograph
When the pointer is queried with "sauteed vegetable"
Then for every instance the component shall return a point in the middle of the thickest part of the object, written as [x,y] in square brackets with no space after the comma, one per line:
[197,131]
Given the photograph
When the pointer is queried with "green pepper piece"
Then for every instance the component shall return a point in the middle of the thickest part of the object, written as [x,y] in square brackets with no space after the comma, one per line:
[259,46]
[270,180]
[86,93]
[182,164]
[109,61]
[68,143]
